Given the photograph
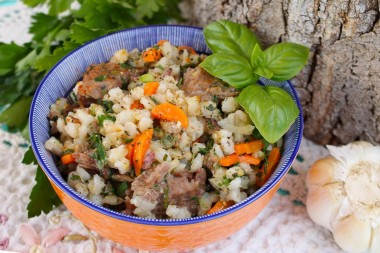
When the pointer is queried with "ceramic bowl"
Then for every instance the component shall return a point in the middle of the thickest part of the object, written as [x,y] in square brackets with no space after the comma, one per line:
[141,233]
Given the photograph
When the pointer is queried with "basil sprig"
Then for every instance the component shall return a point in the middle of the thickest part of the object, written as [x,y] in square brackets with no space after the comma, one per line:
[239,60]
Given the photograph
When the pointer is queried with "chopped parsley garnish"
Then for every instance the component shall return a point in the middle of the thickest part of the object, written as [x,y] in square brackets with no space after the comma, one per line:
[160,67]
[102,118]
[124,83]
[226,181]
[120,191]
[179,84]
[210,107]
[126,65]
[210,125]
[195,198]
[68,151]
[165,157]
[107,105]
[155,186]
[100,78]
[100,154]
[203,151]
[167,140]
[215,99]
[75,97]
[128,140]
[154,100]
[74,177]
[236,164]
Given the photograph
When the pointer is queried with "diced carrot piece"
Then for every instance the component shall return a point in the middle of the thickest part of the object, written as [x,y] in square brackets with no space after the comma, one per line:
[219,206]
[273,159]
[152,55]
[67,159]
[137,105]
[249,159]
[142,144]
[170,112]
[130,147]
[249,147]
[151,88]
[229,160]
[189,49]
[161,42]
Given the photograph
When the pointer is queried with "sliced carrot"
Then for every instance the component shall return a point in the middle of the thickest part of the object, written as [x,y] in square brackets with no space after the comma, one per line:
[189,49]
[152,55]
[151,88]
[141,146]
[219,206]
[131,147]
[67,159]
[249,147]
[249,159]
[273,159]
[137,105]
[170,112]
[161,42]
[229,160]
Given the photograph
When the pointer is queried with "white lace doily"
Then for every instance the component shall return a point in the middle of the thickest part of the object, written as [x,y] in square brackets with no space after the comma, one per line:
[283,226]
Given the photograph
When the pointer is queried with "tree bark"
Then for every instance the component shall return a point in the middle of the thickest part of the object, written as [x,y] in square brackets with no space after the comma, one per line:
[339,88]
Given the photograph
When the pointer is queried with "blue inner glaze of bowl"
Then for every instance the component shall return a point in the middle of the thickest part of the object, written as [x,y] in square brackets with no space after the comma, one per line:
[61,78]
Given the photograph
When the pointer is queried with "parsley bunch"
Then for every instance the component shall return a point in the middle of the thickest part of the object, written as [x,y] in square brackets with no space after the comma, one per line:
[55,34]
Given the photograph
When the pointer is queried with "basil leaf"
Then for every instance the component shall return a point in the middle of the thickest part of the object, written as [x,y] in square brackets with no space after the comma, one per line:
[271,109]
[233,69]
[229,37]
[285,60]
[257,57]
[264,72]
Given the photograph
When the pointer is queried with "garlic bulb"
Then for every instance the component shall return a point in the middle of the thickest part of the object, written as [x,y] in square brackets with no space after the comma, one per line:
[344,195]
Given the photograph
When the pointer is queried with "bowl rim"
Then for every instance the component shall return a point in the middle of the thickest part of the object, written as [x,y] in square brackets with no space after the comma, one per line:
[159,222]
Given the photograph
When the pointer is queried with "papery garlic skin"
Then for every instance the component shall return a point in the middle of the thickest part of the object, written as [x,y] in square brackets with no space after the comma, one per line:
[344,195]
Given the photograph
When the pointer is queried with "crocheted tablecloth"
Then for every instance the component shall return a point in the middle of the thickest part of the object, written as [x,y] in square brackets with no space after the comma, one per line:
[283,226]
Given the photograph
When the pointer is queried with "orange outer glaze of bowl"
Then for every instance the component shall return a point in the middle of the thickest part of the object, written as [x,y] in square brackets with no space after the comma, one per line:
[165,238]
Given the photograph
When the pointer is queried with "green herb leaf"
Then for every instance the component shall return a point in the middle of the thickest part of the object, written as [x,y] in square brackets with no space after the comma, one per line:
[120,191]
[107,105]
[10,54]
[285,60]
[165,157]
[229,37]
[271,109]
[146,78]
[100,78]
[210,107]
[128,140]
[233,69]
[68,151]
[179,84]
[100,153]
[103,117]
[43,197]
[126,65]
[154,100]
[16,116]
[160,67]
[74,177]
[264,72]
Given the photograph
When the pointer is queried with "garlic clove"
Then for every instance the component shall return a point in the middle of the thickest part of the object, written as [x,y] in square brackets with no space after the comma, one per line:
[352,235]
[323,203]
[363,144]
[322,171]
[375,243]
